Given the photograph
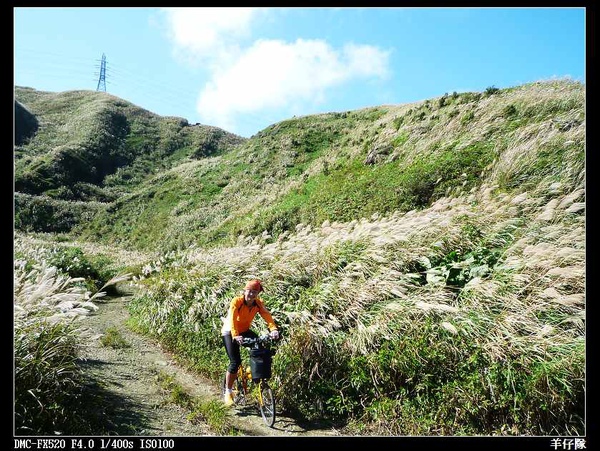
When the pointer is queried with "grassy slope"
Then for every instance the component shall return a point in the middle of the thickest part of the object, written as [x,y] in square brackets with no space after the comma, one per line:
[91,149]
[463,316]
[94,138]
[312,169]
[456,305]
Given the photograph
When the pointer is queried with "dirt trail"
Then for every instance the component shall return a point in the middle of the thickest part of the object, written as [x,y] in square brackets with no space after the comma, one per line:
[138,405]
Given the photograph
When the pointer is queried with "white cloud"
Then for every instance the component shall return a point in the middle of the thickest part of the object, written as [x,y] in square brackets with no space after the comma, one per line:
[274,74]
[367,61]
[265,74]
[208,35]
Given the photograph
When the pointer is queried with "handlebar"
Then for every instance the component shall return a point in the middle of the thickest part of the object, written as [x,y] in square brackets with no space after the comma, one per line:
[258,341]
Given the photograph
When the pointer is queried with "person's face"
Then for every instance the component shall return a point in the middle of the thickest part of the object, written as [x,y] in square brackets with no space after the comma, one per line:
[250,295]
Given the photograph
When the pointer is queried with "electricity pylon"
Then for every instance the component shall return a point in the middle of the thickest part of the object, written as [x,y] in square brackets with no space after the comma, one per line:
[102,80]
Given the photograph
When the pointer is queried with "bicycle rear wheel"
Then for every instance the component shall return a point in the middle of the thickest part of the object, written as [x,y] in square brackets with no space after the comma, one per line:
[267,403]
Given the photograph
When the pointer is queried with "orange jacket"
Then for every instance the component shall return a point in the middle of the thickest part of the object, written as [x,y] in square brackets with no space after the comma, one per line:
[240,316]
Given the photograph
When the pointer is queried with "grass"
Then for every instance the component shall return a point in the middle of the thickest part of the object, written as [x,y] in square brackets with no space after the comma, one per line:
[340,303]
[113,338]
[48,381]
[439,291]
[285,170]
[356,190]
[87,136]
[211,412]
[51,388]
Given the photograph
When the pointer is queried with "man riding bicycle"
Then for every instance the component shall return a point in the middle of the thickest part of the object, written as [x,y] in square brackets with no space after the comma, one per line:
[236,326]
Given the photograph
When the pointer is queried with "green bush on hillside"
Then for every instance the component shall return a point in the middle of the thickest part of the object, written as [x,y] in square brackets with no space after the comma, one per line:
[44,214]
[73,261]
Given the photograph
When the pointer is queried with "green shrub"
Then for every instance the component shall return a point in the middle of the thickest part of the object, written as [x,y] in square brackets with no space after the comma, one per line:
[44,214]
[398,121]
[48,381]
[113,338]
[467,117]
[399,140]
[72,261]
[491,90]
[509,111]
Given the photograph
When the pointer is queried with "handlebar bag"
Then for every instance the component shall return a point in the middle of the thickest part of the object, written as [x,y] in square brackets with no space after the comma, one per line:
[260,363]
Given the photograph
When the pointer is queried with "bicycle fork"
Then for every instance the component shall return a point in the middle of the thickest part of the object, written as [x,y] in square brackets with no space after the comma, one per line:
[242,374]
[260,393]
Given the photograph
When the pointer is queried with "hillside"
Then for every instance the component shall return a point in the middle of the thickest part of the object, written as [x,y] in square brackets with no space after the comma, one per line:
[426,262]
[161,180]
[89,148]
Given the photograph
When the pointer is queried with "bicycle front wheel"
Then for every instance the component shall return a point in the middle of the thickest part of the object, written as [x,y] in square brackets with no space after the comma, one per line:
[267,403]
[239,391]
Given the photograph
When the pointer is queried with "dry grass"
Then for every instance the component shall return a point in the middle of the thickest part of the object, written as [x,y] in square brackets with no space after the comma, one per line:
[534,267]
[342,290]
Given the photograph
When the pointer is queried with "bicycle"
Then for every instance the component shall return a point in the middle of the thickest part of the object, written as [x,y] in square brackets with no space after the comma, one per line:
[256,375]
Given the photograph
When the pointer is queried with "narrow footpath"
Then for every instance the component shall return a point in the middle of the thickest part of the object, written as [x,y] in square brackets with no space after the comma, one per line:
[130,378]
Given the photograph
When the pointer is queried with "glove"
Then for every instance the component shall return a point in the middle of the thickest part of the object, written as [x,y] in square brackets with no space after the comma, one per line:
[274,334]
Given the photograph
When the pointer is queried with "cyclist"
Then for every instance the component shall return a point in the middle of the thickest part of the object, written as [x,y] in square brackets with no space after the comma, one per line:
[241,312]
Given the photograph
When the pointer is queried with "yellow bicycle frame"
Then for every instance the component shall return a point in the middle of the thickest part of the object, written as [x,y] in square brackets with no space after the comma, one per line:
[244,374]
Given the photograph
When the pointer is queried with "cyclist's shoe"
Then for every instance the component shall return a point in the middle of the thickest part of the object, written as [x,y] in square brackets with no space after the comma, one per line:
[228,399]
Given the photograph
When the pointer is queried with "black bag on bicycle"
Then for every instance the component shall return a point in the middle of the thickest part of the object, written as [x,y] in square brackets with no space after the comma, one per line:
[260,363]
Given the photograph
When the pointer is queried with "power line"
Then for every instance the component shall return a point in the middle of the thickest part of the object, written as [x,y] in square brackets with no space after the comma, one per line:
[54,66]
[126,75]
[115,78]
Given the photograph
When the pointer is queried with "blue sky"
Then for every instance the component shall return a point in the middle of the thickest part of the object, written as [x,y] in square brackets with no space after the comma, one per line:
[243,69]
